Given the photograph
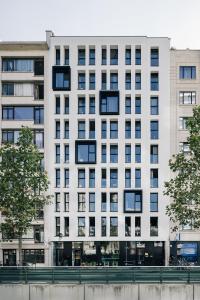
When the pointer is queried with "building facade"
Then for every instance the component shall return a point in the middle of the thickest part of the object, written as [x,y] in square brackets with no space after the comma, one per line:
[22,81]
[107,114]
[185,95]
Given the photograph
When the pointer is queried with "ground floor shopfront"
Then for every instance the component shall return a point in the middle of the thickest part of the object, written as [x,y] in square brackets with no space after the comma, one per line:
[104,253]
[185,251]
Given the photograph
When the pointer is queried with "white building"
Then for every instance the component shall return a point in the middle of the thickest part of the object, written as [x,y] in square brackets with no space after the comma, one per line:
[106,146]
[108,121]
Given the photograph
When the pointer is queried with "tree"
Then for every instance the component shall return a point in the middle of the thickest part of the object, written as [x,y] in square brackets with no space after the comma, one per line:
[23,186]
[184,187]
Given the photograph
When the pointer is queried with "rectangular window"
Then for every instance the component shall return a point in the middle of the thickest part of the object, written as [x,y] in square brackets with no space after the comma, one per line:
[128,105]
[66,130]
[154,105]
[20,64]
[86,152]
[103,153]
[103,129]
[81,129]
[92,105]
[92,56]
[103,202]
[138,56]
[57,105]
[103,226]
[137,226]
[92,129]
[113,153]
[154,178]
[187,72]
[137,153]
[138,105]
[57,226]
[138,81]
[8,89]
[61,78]
[184,147]
[154,81]
[183,123]
[66,202]
[39,66]
[127,178]
[113,226]
[39,138]
[127,153]
[81,57]
[128,56]
[154,130]
[154,57]
[57,129]
[113,202]
[66,105]
[57,56]
[127,226]
[81,178]
[103,56]
[81,226]
[92,202]
[66,226]
[104,81]
[57,151]
[66,179]
[109,102]
[113,178]
[91,226]
[154,154]
[114,81]
[66,153]
[91,178]
[66,62]
[128,80]
[113,129]
[153,226]
[81,202]
[81,105]
[187,98]
[92,81]
[81,81]
[137,129]
[132,201]
[153,202]
[103,178]
[57,204]
[128,129]
[113,56]
[137,178]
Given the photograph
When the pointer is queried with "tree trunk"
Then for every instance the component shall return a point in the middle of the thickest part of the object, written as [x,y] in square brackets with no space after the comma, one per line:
[20,249]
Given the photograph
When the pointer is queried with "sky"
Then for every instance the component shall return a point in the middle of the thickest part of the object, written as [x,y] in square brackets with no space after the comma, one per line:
[28,19]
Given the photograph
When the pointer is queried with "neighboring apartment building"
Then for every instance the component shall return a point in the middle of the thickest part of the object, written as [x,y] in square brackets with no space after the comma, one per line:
[185,94]
[107,146]
[22,104]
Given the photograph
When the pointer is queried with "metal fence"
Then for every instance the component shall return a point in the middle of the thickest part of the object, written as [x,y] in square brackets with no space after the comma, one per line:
[100,275]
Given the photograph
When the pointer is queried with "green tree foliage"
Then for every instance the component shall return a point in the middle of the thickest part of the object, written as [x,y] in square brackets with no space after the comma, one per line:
[184,187]
[23,186]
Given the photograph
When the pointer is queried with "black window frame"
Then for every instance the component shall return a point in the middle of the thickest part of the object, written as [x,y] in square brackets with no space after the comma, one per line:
[88,143]
[106,95]
[136,192]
